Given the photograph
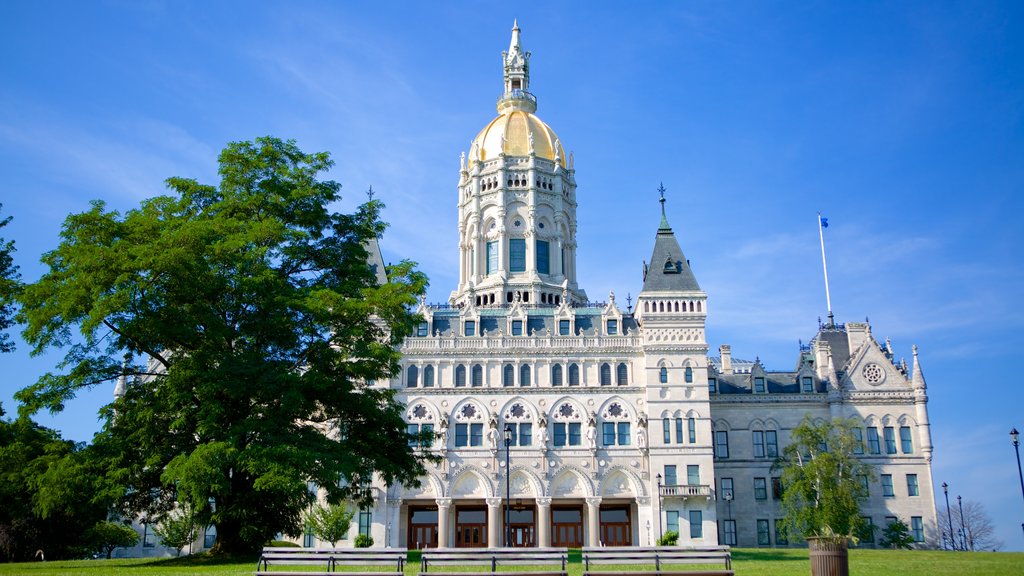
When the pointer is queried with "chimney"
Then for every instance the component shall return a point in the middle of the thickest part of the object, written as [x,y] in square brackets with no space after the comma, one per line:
[726,351]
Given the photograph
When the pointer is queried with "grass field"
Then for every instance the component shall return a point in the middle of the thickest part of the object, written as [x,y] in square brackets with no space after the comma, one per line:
[746,562]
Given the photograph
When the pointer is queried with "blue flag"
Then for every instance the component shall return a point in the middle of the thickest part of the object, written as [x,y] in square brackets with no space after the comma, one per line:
[824,221]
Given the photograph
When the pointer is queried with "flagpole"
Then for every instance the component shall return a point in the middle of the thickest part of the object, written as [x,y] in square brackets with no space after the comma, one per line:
[824,266]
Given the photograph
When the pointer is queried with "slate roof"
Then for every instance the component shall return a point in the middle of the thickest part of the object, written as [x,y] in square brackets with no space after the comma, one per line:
[668,270]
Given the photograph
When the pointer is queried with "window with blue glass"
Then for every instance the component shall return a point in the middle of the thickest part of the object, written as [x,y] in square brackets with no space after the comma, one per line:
[428,376]
[543,257]
[692,429]
[517,255]
[470,328]
[460,376]
[759,385]
[679,430]
[522,433]
[721,444]
[469,435]
[563,327]
[688,375]
[887,485]
[608,433]
[492,257]
[713,385]
[917,528]
[478,376]
[671,479]
[566,434]
[556,375]
[412,376]
[890,440]
[873,445]
[623,428]
[421,329]
[612,327]
[622,374]
[672,521]
[517,327]
[605,374]
[858,436]
[906,444]
[696,524]
[666,427]
[524,375]
[763,536]
[508,375]
[693,474]
[574,375]
[663,375]
[760,489]
[912,488]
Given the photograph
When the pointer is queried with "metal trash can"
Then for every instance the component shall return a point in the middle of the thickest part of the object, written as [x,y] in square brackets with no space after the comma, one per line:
[829,557]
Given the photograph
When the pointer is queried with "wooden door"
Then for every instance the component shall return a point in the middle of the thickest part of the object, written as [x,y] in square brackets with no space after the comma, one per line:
[567,527]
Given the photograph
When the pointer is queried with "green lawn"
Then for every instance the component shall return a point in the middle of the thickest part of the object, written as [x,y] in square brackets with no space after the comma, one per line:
[746,562]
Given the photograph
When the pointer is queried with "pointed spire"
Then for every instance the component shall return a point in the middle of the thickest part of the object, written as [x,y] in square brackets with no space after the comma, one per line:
[917,380]
[516,69]
[664,220]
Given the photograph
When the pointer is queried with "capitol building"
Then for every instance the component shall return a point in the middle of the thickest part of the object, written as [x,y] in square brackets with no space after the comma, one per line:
[622,423]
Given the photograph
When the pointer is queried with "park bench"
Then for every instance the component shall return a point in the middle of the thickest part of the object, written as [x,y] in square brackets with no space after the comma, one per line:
[547,561]
[389,561]
[665,560]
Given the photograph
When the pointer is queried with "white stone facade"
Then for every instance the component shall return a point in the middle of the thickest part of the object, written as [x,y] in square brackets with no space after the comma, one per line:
[621,425]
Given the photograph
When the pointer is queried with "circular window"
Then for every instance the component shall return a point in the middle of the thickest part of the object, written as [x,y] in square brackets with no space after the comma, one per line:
[517,223]
[874,374]
[541,225]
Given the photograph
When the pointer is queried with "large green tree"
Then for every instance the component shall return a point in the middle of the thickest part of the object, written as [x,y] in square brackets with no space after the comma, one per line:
[250,328]
[821,477]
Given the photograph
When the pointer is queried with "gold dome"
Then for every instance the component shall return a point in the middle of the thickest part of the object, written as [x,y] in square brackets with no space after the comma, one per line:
[510,134]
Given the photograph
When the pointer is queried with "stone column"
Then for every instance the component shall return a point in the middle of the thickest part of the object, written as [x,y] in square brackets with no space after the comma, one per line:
[543,522]
[443,508]
[593,521]
[494,525]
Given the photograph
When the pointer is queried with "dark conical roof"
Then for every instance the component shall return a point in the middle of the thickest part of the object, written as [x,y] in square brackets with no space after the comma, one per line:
[669,271]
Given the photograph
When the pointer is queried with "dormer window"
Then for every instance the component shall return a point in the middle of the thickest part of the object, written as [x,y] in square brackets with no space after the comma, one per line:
[671,267]
[613,327]
[516,84]
[759,385]
[421,330]
[517,327]
[808,384]
[470,328]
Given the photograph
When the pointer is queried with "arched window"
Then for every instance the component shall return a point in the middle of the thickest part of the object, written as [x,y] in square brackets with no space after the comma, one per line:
[698,306]
[574,374]
[478,375]
[524,375]
[647,306]
[428,377]
[663,375]
[556,375]
[460,376]
[688,375]
[508,375]
[606,374]
[691,306]
[661,307]
[412,376]
[677,306]
[622,374]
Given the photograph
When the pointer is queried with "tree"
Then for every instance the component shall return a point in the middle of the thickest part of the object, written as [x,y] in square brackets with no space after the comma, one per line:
[249,328]
[976,532]
[107,535]
[9,286]
[821,478]
[896,535]
[329,522]
[178,528]
[48,500]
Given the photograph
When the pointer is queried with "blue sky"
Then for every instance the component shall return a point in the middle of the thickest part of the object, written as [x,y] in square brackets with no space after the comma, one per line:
[901,122]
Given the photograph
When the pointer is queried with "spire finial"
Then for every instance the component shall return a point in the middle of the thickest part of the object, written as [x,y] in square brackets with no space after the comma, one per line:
[369,193]
[664,220]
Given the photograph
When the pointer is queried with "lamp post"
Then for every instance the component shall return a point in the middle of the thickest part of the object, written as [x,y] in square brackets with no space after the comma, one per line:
[660,535]
[727,494]
[963,528]
[1015,438]
[508,484]
[952,541]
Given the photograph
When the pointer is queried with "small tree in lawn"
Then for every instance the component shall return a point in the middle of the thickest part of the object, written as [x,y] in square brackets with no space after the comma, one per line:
[821,478]
[897,536]
[178,529]
[329,522]
[107,535]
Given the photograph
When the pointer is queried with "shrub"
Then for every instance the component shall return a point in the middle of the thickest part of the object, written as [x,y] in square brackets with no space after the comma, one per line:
[669,539]
[364,541]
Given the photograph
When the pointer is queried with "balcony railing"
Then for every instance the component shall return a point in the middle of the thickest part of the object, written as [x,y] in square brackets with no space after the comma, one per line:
[518,94]
[687,491]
